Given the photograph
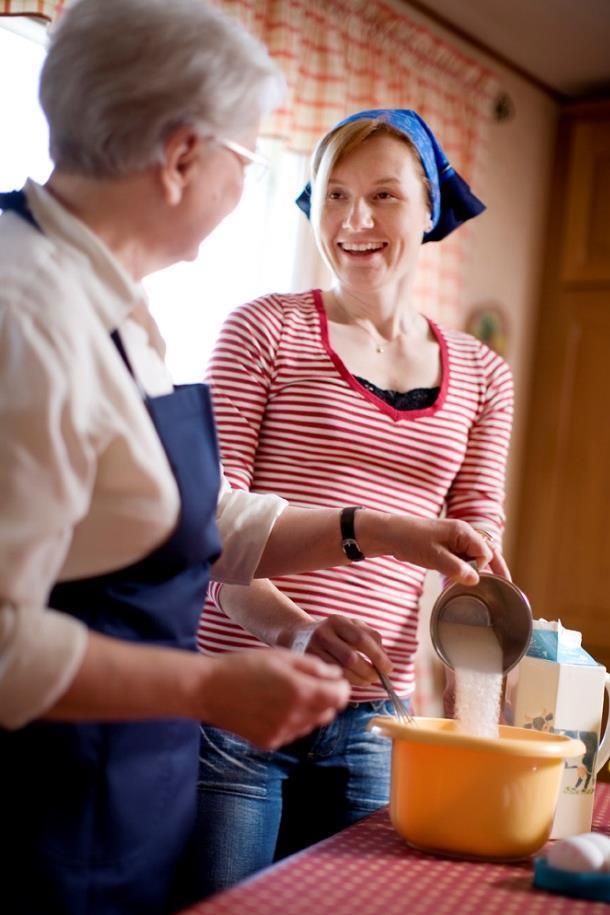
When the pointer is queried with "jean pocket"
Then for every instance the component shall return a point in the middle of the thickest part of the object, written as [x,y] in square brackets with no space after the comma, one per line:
[383,707]
[230,763]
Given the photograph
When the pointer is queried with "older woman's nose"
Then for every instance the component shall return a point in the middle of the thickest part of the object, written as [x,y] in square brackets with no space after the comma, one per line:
[359,215]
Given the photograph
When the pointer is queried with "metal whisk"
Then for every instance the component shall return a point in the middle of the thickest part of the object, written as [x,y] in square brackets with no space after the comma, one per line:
[400,709]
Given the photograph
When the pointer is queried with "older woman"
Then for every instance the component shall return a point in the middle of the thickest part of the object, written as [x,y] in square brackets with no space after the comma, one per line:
[109,477]
[347,395]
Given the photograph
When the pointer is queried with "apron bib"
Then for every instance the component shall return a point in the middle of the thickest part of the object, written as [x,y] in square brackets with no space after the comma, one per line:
[99,817]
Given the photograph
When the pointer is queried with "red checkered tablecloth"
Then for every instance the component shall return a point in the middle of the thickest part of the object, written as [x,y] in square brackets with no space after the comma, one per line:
[368,870]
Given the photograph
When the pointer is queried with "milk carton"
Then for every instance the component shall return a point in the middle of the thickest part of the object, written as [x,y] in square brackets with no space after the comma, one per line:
[560,688]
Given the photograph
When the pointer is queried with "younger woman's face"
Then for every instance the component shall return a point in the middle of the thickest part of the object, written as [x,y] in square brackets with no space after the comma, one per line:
[375,214]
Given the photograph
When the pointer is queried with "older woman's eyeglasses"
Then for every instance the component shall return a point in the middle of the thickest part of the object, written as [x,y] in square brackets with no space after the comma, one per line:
[256,166]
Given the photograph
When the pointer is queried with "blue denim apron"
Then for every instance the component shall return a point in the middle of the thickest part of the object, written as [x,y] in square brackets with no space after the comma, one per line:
[99,817]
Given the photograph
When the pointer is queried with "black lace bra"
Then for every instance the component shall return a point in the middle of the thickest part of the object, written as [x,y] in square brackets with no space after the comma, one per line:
[416,399]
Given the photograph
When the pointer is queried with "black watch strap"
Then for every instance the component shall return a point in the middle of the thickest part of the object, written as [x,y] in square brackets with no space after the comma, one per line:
[349,543]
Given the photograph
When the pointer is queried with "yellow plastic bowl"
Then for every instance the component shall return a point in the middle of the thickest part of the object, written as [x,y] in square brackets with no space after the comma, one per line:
[470,796]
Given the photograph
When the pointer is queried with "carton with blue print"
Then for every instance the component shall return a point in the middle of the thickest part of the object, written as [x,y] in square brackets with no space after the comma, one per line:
[560,688]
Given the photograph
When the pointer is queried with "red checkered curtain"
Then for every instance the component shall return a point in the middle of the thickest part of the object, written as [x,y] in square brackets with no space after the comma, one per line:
[43,9]
[342,56]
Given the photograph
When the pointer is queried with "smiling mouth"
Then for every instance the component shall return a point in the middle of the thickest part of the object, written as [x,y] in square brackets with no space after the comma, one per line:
[361,249]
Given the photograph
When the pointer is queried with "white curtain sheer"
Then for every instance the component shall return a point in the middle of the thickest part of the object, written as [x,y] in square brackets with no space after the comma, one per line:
[263,246]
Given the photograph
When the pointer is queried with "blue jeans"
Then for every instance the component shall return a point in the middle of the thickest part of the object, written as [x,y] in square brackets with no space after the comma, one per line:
[256,806]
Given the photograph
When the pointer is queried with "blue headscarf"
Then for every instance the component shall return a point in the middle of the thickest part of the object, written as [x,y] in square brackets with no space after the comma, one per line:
[452,200]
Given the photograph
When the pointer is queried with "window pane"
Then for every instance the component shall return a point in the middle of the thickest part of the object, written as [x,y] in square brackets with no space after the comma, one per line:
[25,138]
[252,252]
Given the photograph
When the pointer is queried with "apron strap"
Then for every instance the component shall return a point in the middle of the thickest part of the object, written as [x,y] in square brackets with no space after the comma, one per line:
[116,339]
[16,202]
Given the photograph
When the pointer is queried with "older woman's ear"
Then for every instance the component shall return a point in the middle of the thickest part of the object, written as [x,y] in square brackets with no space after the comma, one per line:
[181,156]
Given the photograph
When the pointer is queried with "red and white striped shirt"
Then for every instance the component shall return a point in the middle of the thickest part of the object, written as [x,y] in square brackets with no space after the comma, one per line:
[292,420]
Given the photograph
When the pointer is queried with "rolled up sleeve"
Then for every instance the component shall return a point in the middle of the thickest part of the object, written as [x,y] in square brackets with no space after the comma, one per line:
[245,520]
[40,652]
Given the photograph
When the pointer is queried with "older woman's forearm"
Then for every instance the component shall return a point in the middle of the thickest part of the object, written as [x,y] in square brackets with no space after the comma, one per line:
[302,540]
[123,681]
[268,697]
[307,539]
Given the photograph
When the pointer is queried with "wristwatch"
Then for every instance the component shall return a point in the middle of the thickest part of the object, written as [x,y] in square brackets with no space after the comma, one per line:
[349,544]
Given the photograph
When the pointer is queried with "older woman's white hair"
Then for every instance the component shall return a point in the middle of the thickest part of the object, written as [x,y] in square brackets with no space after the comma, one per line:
[121,75]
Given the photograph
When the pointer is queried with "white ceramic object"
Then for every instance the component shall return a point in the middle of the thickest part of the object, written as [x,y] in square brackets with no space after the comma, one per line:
[586,853]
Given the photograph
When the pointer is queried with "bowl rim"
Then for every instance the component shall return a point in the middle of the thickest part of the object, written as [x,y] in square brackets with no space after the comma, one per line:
[546,745]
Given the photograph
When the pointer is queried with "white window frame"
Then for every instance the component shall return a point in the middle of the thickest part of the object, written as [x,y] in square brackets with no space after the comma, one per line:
[264,246]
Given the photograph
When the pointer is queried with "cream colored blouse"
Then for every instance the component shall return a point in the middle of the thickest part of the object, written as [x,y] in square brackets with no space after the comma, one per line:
[85,486]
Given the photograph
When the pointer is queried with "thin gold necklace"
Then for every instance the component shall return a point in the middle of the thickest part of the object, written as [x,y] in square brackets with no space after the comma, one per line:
[380,345]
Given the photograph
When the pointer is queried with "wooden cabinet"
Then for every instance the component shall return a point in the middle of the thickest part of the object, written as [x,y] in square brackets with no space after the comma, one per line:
[562,556]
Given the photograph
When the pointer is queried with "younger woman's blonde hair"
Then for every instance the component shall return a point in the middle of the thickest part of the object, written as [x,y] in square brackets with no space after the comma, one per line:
[334,146]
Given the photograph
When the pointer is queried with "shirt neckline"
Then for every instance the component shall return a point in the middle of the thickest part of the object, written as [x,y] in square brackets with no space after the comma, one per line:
[381,405]
[115,295]
[121,293]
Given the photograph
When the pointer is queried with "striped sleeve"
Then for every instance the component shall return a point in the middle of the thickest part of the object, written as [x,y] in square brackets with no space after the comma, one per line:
[240,373]
[477,492]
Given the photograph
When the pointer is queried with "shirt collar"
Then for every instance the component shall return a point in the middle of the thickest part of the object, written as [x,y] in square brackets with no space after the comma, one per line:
[114,294]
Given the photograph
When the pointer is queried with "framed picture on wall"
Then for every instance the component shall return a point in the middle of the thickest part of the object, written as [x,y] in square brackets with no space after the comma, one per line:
[488,323]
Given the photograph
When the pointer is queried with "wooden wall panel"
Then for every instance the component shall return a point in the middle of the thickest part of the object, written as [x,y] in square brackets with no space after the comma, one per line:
[586,255]
[563,544]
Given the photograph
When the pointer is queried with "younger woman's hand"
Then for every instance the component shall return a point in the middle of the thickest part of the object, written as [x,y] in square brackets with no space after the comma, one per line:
[348,642]
[450,546]
[497,563]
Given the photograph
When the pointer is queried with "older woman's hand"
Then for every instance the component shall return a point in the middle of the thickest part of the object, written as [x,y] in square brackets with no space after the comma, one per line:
[445,544]
[269,697]
[350,643]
